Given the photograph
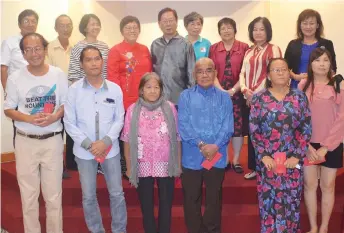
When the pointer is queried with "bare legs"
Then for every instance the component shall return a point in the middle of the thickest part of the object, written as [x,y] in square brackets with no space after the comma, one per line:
[327,185]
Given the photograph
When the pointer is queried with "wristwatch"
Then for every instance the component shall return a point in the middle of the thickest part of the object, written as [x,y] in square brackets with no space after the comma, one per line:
[201,144]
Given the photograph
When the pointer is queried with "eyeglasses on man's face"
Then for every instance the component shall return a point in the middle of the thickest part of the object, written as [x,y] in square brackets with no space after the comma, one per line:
[31,50]
[65,26]
[27,22]
[202,72]
[279,70]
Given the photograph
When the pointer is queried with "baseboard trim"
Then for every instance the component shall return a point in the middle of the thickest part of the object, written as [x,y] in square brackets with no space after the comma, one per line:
[245,139]
[7,157]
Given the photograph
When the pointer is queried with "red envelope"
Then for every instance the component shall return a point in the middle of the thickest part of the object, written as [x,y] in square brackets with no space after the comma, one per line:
[209,164]
[102,159]
[280,158]
[309,163]
[48,108]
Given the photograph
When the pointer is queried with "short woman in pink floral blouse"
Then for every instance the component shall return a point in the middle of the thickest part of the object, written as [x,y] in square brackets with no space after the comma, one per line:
[152,151]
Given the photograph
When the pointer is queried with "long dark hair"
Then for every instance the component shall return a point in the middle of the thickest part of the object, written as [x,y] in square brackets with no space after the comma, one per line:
[268,83]
[316,53]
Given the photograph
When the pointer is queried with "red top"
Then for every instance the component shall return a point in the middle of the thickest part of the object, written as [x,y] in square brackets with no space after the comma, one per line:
[218,52]
[253,72]
[126,65]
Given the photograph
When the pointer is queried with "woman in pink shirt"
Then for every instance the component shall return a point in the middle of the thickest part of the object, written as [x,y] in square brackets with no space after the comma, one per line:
[326,97]
[152,151]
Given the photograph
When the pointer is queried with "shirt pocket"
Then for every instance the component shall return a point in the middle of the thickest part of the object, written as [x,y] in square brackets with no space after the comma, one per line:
[107,111]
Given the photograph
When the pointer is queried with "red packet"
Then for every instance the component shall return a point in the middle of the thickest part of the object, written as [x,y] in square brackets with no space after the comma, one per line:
[309,163]
[102,159]
[209,164]
[280,158]
[48,108]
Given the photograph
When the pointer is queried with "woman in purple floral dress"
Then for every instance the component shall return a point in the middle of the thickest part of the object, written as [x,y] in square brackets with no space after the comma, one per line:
[279,122]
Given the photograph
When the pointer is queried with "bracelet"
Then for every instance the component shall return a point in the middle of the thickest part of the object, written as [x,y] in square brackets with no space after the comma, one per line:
[233,89]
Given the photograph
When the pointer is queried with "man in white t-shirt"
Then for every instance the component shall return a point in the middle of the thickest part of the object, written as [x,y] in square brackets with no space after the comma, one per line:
[11,57]
[38,92]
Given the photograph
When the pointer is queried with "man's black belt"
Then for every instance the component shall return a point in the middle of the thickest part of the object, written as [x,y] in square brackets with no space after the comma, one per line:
[39,137]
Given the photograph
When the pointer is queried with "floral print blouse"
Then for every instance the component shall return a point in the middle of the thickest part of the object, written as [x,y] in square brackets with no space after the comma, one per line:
[153,141]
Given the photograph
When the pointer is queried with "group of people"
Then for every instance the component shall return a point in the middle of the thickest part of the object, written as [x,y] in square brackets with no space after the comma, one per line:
[172,111]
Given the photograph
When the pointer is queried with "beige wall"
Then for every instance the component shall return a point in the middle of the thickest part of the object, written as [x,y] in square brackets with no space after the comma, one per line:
[283,16]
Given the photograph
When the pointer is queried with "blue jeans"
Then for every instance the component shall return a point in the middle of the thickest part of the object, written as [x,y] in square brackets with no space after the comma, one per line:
[88,179]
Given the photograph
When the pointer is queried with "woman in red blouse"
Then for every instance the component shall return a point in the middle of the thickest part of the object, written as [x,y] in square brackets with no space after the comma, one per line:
[128,61]
[228,55]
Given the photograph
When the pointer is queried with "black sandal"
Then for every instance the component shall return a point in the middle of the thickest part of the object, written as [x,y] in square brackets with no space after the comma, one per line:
[238,168]
[228,167]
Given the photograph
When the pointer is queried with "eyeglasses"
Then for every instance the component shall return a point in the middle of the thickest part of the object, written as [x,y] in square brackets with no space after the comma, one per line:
[207,72]
[195,24]
[37,50]
[27,22]
[169,21]
[279,70]
[65,26]
[94,59]
[131,29]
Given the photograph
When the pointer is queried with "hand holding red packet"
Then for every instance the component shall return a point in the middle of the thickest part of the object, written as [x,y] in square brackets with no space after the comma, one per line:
[280,158]
[309,163]
[102,159]
[209,164]
[48,108]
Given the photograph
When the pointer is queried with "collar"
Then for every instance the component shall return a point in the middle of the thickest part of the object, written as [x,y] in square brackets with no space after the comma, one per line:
[260,47]
[177,36]
[221,46]
[125,43]
[57,44]
[204,91]
[198,40]
[87,84]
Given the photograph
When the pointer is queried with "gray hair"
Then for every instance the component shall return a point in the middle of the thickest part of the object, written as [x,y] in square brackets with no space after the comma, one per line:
[192,17]
[148,76]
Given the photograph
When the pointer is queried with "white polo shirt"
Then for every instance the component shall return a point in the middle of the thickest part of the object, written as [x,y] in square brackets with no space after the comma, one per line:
[11,56]
[30,93]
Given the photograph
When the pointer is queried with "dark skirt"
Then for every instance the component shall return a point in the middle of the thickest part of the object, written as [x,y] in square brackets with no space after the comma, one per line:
[334,159]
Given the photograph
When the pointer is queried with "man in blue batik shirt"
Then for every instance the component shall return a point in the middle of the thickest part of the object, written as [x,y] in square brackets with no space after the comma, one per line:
[205,126]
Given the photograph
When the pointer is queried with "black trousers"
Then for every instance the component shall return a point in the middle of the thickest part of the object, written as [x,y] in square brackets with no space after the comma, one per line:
[121,151]
[251,155]
[250,152]
[70,162]
[145,190]
[192,181]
